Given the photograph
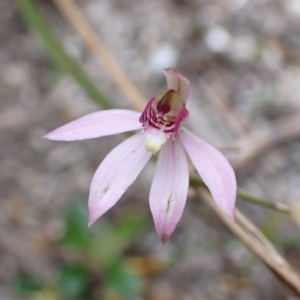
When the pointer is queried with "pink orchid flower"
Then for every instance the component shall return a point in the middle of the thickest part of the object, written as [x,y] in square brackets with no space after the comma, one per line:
[159,128]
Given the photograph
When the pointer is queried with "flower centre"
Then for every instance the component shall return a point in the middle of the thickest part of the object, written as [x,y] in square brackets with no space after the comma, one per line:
[161,113]
[161,119]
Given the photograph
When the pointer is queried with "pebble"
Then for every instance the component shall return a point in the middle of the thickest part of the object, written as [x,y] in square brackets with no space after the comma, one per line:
[235,5]
[272,56]
[163,56]
[217,39]
[15,75]
[292,7]
[243,49]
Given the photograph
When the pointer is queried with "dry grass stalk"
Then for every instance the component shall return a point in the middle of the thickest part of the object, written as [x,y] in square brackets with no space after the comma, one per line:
[258,141]
[82,27]
[257,243]
[217,98]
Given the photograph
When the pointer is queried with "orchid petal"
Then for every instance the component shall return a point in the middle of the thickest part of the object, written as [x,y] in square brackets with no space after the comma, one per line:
[97,124]
[176,81]
[115,174]
[214,169]
[169,188]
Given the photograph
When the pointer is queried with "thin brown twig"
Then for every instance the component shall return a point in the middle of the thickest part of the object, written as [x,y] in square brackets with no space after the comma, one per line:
[78,21]
[215,96]
[281,207]
[257,243]
[258,141]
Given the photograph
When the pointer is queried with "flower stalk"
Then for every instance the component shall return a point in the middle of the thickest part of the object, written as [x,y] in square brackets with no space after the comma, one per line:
[280,207]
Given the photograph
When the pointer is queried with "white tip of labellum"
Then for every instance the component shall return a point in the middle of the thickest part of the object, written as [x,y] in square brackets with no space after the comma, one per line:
[154,139]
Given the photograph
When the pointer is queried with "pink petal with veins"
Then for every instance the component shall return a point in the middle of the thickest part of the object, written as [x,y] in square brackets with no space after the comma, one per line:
[214,169]
[143,116]
[115,174]
[169,188]
[176,81]
[97,124]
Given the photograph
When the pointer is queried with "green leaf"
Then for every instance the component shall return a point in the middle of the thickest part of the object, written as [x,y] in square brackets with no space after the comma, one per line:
[111,239]
[34,19]
[77,232]
[27,285]
[73,282]
[130,225]
[119,280]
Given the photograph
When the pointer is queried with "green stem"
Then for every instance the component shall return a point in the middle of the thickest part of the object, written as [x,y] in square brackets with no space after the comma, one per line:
[250,198]
[32,16]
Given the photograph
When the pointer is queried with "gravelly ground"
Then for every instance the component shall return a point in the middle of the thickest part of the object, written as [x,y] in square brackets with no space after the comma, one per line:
[243,53]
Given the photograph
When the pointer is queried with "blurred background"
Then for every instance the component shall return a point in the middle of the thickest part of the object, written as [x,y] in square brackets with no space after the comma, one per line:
[243,61]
